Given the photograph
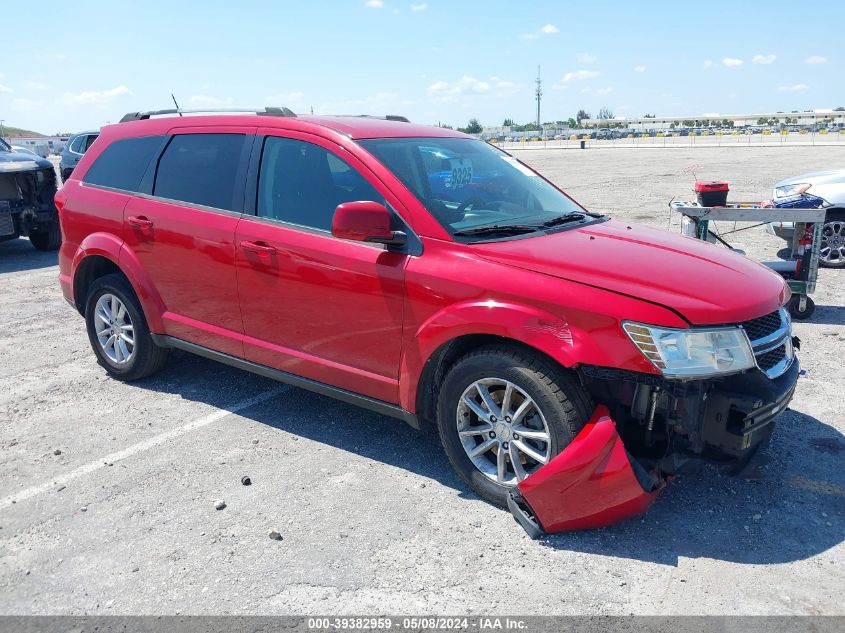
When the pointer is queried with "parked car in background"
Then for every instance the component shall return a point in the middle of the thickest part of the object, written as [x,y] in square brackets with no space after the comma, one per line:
[27,188]
[75,149]
[830,187]
[23,150]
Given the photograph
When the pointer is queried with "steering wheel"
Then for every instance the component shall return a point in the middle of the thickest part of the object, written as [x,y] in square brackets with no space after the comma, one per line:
[466,204]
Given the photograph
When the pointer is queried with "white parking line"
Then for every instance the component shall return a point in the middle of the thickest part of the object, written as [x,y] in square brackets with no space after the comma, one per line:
[140,447]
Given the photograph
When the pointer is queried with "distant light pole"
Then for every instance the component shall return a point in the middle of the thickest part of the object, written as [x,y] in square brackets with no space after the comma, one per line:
[2,121]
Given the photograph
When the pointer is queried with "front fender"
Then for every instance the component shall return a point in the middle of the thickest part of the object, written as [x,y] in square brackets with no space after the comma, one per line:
[532,326]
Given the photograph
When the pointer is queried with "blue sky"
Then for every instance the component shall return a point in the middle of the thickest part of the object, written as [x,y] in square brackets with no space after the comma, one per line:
[431,60]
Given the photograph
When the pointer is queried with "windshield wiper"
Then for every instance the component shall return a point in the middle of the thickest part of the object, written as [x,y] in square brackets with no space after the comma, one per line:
[499,228]
[566,217]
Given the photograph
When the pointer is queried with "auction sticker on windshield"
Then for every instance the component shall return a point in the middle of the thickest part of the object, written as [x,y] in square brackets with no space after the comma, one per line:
[461,173]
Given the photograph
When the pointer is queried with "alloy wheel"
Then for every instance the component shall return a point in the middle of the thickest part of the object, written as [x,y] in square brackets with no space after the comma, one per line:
[115,332]
[502,430]
[833,242]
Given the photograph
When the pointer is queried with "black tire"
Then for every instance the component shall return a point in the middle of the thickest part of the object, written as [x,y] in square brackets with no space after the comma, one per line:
[797,313]
[147,358]
[47,238]
[563,403]
[834,218]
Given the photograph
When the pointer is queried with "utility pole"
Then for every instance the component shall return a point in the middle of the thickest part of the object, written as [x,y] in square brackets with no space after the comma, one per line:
[2,121]
[539,94]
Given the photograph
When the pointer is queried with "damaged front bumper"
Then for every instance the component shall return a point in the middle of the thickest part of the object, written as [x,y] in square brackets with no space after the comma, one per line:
[599,480]
[592,483]
[26,201]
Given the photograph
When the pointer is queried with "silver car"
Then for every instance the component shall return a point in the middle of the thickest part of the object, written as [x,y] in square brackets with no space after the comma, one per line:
[830,187]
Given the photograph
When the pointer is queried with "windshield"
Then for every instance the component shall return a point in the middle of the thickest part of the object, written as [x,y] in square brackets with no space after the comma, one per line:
[4,146]
[467,184]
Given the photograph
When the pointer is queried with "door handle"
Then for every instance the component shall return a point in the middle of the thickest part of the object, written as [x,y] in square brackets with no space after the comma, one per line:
[258,247]
[139,222]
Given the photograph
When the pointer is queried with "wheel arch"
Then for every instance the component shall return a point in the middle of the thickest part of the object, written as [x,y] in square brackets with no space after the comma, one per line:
[444,357]
[103,254]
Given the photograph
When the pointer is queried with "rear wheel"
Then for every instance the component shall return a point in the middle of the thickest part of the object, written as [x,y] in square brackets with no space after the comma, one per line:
[505,412]
[118,331]
[47,237]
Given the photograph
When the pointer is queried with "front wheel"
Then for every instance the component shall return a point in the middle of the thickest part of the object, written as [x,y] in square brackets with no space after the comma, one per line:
[832,251]
[503,413]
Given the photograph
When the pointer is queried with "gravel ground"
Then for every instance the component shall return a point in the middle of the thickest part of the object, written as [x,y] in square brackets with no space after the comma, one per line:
[109,489]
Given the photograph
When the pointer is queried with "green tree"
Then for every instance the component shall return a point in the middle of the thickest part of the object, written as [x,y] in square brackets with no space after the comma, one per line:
[473,127]
[582,114]
[507,123]
[605,113]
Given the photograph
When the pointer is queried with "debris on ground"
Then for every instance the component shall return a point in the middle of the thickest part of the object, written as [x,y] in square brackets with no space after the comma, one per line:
[275,535]
[219,504]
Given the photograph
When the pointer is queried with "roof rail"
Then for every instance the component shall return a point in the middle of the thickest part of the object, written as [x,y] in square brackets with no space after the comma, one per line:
[386,117]
[268,111]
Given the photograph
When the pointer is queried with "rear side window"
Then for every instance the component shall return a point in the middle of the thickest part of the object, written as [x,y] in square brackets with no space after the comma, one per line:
[201,169]
[89,140]
[123,164]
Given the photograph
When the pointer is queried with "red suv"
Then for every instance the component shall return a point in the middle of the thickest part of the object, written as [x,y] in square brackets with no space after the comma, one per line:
[569,362]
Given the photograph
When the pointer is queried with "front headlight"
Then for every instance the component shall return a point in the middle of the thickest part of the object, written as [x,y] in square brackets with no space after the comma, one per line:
[692,353]
[791,190]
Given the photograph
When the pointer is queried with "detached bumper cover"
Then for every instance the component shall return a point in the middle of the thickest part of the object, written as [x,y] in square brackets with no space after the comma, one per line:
[592,483]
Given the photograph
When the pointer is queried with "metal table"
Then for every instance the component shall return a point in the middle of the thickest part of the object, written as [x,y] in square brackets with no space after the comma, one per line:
[801,274]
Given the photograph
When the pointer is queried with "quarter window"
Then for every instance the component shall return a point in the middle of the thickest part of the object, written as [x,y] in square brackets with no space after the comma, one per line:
[201,169]
[303,183]
[123,164]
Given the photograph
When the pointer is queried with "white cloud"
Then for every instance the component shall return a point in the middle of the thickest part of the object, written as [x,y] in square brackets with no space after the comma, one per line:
[793,88]
[36,85]
[207,101]
[815,59]
[639,69]
[578,75]
[596,92]
[419,7]
[374,4]
[732,61]
[284,98]
[708,63]
[586,58]
[26,105]
[60,56]
[378,103]
[548,29]
[467,87]
[763,59]
[93,97]
[5,89]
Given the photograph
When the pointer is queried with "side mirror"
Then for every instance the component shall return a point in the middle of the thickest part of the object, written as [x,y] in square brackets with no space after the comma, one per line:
[365,221]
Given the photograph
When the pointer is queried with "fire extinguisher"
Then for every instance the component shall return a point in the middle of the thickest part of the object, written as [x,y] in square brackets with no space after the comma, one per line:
[804,251]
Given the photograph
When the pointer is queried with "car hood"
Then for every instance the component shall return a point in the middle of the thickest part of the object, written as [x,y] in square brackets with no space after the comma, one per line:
[816,178]
[705,283]
[21,161]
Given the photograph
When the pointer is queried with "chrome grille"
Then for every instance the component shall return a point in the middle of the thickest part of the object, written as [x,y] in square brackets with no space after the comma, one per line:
[762,326]
[771,342]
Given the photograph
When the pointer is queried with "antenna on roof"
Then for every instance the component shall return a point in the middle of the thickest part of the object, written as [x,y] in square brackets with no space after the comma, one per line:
[172,96]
